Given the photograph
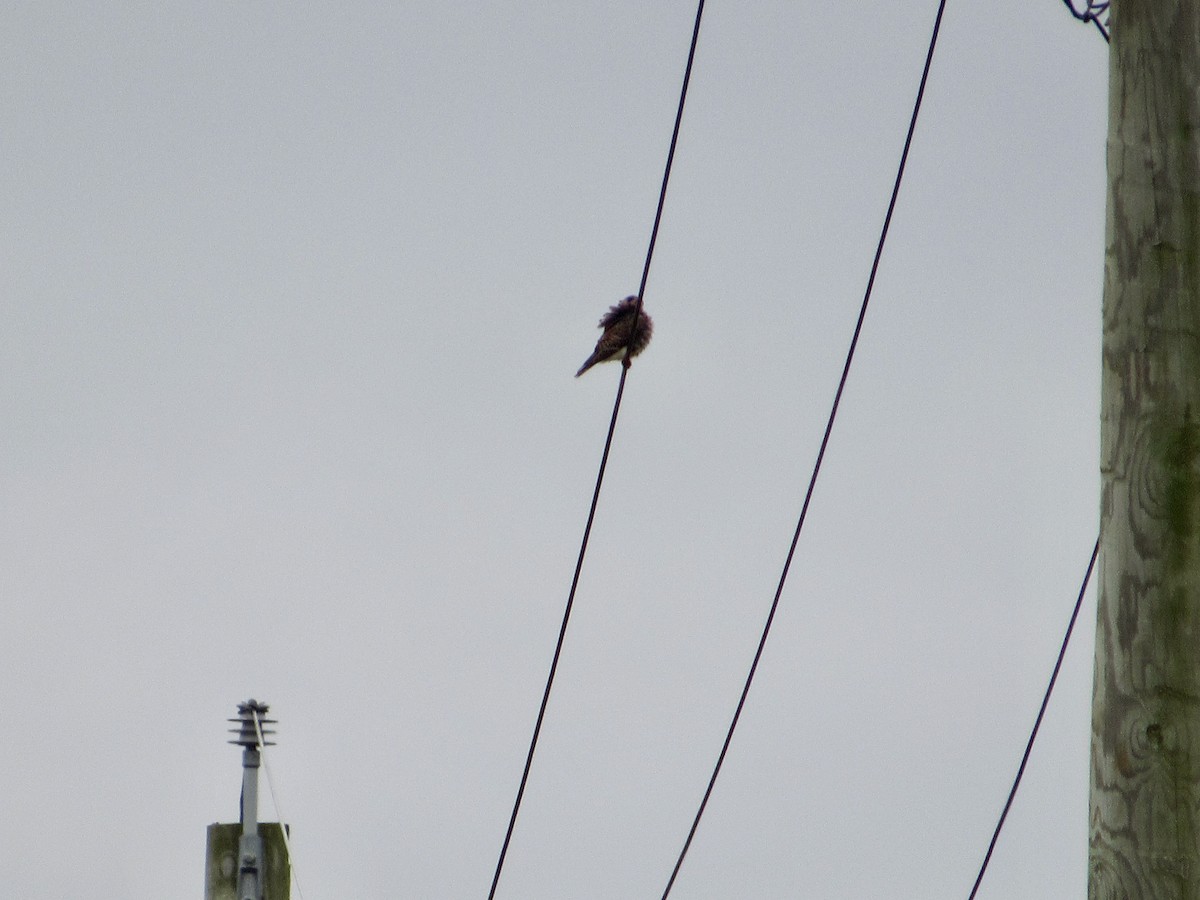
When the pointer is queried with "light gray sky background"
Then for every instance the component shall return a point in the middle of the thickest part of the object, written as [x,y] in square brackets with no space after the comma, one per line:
[292,296]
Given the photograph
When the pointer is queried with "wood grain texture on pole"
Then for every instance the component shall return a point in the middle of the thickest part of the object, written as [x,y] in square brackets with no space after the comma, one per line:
[221,862]
[1145,758]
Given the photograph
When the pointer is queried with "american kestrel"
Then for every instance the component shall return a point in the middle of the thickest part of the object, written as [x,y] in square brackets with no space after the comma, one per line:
[619,335]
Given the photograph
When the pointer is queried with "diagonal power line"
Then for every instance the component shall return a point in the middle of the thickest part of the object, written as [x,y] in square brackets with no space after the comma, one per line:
[887,220]
[1091,13]
[562,631]
[283,828]
[987,857]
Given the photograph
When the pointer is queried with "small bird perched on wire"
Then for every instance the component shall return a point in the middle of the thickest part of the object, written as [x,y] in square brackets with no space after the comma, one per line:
[626,334]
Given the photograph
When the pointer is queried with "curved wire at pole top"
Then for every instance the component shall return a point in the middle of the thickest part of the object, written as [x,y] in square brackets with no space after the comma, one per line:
[1091,13]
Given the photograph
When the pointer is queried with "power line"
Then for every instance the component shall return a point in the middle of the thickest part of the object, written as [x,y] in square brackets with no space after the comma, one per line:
[562,631]
[820,453]
[1091,13]
[287,844]
[1037,722]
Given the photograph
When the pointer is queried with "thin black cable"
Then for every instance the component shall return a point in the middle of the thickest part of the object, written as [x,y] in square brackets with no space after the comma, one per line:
[612,424]
[837,398]
[562,633]
[1038,722]
[1090,14]
[662,194]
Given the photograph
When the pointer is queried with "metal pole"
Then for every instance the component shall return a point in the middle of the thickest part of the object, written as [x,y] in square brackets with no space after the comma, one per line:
[250,844]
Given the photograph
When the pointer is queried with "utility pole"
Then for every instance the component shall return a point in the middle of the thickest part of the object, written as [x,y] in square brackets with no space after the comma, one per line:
[248,860]
[1145,759]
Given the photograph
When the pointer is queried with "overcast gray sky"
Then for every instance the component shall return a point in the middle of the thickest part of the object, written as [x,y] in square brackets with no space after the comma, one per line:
[292,297]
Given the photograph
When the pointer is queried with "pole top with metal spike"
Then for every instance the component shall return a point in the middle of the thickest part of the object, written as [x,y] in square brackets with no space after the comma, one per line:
[247,734]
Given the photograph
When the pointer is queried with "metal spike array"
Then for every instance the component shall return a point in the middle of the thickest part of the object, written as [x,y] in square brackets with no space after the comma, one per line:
[246,735]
